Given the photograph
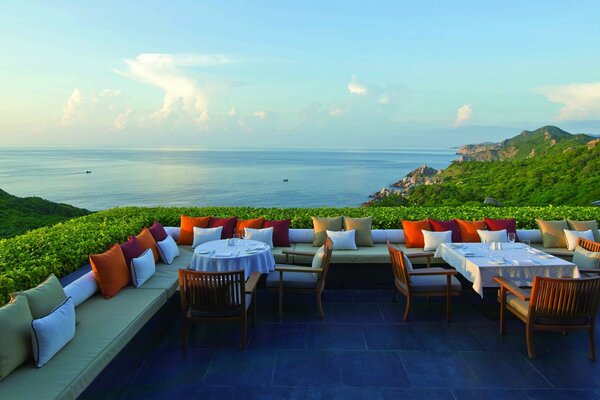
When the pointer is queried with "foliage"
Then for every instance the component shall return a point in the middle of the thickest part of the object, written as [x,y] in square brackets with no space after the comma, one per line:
[26,260]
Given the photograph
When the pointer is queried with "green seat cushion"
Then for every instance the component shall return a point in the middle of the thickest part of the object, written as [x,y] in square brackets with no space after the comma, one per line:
[562,252]
[586,259]
[520,306]
[15,325]
[45,297]
[296,280]
[105,327]
[433,283]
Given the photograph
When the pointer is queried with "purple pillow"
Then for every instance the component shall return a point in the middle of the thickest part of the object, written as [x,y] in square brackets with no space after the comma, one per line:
[158,232]
[281,232]
[442,226]
[228,225]
[131,249]
[510,224]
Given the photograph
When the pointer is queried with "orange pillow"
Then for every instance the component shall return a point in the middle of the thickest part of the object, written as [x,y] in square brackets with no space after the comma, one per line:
[255,223]
[110,271]
[413,234]
[468,230]
[186,235]
[147,242]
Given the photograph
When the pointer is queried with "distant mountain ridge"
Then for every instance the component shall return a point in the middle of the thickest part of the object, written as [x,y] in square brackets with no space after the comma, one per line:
[20,214]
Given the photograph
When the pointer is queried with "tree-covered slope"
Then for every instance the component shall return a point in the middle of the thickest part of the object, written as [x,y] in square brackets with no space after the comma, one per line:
[19,215]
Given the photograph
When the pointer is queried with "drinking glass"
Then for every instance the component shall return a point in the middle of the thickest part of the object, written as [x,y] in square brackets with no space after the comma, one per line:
[512,237]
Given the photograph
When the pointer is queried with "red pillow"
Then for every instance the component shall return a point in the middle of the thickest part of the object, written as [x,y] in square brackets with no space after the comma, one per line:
[255,223]
[110,271]
[281,232]
[228,225]
[468,230]
[498,224]
[158,232]
[443,226]
[186,235]
[131,249]
[413,234]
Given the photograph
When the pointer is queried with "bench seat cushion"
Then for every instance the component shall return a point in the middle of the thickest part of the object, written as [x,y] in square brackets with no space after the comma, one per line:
[167,276]
[555,251]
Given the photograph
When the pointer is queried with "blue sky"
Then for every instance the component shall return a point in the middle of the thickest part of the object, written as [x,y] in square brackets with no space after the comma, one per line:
[295,74]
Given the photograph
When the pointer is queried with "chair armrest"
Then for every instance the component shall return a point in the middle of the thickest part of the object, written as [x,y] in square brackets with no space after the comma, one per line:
[590,271]
[298,253]
[511,287]
[252,281]
[297,268]
[433,271]
[419,255]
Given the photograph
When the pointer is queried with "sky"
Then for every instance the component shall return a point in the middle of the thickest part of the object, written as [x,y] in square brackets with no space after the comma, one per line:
[301,74]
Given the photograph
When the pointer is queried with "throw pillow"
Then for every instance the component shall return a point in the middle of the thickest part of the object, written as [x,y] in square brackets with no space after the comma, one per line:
[228,225]
[147,242]
[15,325]
[168,250]
[82,288]
[468,230]
[262,235]
[493,236]
[131,249]
[203,235]
[45,297]
[432,240]
[510,224]
[158,232]
[443,226]
[52,332]
[584,226]
[572,237]
[413,232]
[142,268]
[343,240]
[186,233]
[281,231]
[586,259]
[553,233]
[240,224]
[110,270]
[322,225]
[362,226]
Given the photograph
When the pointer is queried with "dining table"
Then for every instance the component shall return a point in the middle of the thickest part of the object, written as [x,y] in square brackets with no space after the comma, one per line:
[232,255]
[479,263]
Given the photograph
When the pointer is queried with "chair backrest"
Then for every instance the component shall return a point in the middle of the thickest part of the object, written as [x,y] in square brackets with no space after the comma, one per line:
[589,245]
[212,291]
[325,263]
[564,298]
[399,265]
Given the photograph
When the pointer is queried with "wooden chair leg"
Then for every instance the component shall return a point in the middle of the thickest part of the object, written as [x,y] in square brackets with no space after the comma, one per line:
[529,340]
[407,308]
[320,305]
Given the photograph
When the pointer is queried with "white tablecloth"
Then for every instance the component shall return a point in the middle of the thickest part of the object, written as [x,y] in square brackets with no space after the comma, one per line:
[516,261]
[249,255]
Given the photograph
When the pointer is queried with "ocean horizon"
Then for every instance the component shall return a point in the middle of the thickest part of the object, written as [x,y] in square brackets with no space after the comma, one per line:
[208,177]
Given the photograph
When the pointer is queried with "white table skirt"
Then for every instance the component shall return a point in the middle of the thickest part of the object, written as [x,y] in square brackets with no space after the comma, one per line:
[217,256]
[517,262]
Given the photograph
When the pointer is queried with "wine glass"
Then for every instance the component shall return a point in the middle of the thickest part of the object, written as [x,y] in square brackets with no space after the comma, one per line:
[512,237]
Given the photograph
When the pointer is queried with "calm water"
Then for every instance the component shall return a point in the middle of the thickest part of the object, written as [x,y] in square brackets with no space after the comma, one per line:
[207,178]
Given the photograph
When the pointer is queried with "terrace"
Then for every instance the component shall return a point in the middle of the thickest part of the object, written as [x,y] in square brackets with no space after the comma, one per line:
[361,349]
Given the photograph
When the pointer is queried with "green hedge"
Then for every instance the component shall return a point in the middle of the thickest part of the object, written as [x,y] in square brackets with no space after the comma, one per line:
[28,259]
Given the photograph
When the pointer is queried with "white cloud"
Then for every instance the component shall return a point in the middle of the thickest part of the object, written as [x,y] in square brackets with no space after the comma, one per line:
[357,88]
[337,112]
[463,115]
[109,93]
[579,100]
[261,114]
[232,112]
[72,107]
[121,119]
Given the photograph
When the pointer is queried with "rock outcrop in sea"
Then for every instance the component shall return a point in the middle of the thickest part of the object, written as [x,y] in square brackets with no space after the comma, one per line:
[423,175]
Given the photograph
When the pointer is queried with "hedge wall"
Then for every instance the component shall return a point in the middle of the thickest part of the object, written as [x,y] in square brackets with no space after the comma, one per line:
[28,259]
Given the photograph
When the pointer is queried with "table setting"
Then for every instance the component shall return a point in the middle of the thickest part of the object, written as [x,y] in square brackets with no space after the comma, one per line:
[233,254]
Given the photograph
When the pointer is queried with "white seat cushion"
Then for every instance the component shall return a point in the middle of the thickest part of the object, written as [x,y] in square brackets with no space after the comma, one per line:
[297,280]
[433,283]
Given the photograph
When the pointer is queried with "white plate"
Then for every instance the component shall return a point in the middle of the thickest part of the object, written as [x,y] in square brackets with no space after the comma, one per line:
[546,256]
[203,251]
[497,262]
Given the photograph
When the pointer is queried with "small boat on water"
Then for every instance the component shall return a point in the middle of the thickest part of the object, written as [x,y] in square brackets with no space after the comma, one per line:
[88,172]
[285,180]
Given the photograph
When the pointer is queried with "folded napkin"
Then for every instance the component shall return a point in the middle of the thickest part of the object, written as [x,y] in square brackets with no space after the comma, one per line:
[224,254]
[466,253]
[526,261]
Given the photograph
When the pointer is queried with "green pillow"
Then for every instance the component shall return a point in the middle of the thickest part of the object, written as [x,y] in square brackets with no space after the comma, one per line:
[553,234]
[15,325]
[45,297]
[325,224]
[586,259]
[584,226]
[362,226]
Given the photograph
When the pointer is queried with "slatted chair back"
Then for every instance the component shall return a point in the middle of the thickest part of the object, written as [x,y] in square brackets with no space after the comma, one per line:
[212,292]
[399,266]
[589,245]
[325,264]
[558,299]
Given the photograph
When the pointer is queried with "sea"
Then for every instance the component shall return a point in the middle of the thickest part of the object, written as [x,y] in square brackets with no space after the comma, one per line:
[98,179]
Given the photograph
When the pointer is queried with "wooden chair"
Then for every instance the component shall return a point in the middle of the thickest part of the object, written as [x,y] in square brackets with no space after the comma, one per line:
[424,282]
[589,245]
[303,278]
[554,304]
[217,297]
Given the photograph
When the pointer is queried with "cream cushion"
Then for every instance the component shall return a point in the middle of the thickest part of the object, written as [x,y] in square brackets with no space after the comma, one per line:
[572,237]
[343,240]
[552,233]
[493,236]
[434,239]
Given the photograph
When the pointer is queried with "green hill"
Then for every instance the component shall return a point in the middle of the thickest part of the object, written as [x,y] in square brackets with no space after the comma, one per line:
[19,215]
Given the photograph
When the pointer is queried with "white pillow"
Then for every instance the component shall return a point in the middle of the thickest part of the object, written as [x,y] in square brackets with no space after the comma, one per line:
[317,260]
[264,235]
[142,268]
[343,240]
[203,235]
[82,288]
[434,239]
[51,333]
[168,250]
[573,237]
[173,231]
[493,236]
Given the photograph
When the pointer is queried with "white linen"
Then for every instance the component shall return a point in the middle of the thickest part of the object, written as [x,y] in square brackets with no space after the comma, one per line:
[173,231]
[264,235]
[168,250]
[434,239]
[573,237]
[343,240]
[301,235]
[142,268]
[51,333]
[520,263]
[493,236]
[249,255]
[203,235]
[82,288]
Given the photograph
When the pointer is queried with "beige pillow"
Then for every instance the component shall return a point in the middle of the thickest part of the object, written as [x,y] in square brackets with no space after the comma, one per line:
[553,234]
[584,226]
[322,225]
[586,259]
[362,226]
